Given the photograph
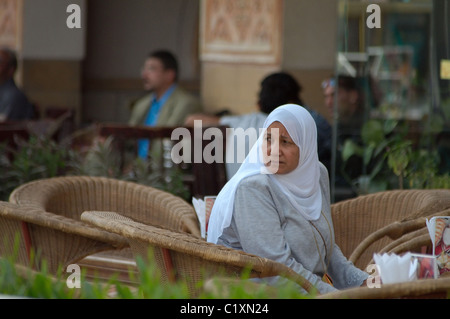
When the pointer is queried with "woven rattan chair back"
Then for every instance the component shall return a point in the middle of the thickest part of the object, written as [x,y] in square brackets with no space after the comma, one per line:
[62,238]
[69,196]
[12,244]
[181,256]
[372,223]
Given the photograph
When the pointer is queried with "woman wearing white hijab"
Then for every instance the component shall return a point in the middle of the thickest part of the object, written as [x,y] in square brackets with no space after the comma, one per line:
[278,204]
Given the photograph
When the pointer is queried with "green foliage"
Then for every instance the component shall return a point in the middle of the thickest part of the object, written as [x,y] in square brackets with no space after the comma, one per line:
[41,157]
[445,104]
[99,160]
[23,282]
[102,159]
[151,285]
[387,151]
[35,158]
[147,173]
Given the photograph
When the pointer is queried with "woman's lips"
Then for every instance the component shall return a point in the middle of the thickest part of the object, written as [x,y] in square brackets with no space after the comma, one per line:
[276,163]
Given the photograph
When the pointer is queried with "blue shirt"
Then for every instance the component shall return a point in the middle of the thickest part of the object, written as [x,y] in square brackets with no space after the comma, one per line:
[152,119]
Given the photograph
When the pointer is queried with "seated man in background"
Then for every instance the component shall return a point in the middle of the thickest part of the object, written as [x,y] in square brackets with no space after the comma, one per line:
[350,109]
[166,104]
[276,89]
[14,105]
[343,93]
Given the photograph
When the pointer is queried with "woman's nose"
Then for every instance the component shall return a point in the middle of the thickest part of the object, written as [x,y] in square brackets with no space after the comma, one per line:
[274,149]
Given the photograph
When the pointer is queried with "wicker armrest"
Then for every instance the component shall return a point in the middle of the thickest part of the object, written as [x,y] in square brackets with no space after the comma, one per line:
[423,288]
[33,215]
[394,231]
[55,239]
[369,223]
[407,234]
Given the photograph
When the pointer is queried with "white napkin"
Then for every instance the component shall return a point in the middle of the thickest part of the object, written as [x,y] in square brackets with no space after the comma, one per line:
[431,225]
[199,206]
[431,229]
[393,268]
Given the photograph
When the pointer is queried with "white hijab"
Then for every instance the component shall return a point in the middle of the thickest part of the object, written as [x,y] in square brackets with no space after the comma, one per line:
[301,186]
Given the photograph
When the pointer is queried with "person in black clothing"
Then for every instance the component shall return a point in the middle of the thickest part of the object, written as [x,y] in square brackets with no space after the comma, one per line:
[14,105]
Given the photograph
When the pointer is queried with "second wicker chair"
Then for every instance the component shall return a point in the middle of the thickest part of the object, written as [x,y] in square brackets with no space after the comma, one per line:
[192,260]
[385,221]
[65,198]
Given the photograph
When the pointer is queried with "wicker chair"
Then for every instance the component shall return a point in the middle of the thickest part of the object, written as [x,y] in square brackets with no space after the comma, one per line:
[390,221]
[65,198]
[187,258]
[58,240]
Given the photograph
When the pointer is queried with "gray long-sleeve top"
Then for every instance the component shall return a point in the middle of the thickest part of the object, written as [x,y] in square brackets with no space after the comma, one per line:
[265,224]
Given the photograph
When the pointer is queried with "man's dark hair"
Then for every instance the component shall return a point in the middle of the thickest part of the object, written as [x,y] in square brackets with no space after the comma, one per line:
[347,82]
[12,57]
[351,83]
[168,60]
[278,89]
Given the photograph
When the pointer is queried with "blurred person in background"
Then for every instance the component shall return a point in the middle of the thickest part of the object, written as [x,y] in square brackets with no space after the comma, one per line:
[14,104]
[276,89]
[343,93]
[166,103]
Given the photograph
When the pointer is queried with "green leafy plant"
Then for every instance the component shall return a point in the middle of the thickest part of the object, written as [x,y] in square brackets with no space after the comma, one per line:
[398,157]
[42,157]
[147,173]
[388,151]
[377,139]
[99,160]
[35,158]
[102,159]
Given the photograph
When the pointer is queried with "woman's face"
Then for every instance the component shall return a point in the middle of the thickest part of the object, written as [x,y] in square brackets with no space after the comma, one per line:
[281,154]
